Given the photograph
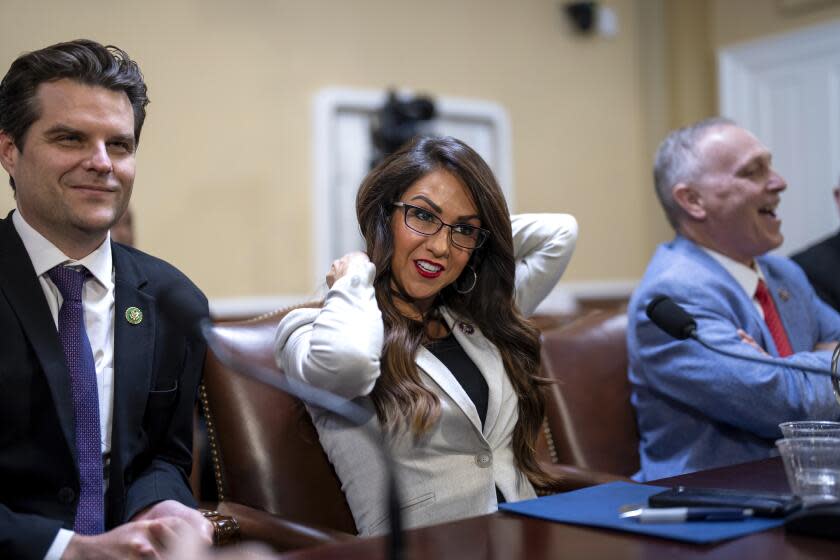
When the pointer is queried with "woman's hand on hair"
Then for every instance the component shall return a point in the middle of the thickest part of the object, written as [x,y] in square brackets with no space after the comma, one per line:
[340,266]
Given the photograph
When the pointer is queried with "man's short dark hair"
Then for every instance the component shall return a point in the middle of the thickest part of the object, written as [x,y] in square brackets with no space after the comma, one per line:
[83,61]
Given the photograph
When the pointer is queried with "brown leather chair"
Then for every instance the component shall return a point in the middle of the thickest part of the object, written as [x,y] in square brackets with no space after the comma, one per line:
[590,422]
[271,473]
[265,451]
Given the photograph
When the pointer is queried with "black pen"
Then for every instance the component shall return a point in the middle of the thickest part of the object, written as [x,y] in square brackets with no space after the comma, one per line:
[681,514]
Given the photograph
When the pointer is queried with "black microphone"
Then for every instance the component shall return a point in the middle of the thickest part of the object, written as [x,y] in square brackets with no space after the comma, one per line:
[671,318]
[175,301]
[677,322]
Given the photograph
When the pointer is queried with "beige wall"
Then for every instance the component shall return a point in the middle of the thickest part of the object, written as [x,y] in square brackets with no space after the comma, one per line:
[224,170]
[691,61]
[696,29]
[224,164]
[742,20]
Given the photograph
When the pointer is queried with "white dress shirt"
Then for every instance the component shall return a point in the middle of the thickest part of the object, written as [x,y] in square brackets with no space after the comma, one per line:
[746,276]
[98,305]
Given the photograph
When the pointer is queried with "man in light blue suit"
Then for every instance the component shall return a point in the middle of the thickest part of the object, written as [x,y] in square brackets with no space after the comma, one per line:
[697,409]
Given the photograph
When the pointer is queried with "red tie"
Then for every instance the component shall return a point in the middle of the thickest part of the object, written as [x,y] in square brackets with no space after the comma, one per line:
[771,317]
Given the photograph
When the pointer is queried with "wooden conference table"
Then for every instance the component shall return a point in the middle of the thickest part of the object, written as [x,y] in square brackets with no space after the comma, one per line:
[504,536]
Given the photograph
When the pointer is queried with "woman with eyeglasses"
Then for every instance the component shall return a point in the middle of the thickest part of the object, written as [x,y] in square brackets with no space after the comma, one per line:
[428,329]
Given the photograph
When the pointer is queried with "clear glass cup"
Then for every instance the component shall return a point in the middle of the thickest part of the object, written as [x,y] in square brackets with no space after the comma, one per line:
[810,428]
[812,466]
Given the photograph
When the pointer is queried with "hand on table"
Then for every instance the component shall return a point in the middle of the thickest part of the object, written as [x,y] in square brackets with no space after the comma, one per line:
[135,539]
[171,508]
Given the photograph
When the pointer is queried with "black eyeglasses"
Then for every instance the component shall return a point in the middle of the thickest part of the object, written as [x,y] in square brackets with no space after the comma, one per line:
[425,223]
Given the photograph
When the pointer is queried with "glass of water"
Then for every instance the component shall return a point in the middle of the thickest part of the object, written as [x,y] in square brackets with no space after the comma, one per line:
[810,428]
[812,466]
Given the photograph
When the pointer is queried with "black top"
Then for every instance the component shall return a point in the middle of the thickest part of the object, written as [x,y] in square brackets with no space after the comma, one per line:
[450,353]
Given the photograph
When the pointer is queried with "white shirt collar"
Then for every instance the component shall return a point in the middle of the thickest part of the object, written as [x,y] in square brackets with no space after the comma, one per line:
[44,255]
[746,276]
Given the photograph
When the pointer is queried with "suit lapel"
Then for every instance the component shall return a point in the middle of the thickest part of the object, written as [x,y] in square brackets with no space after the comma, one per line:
[487,359]
[433,367]
[737,299]
[24,294]
[134,350]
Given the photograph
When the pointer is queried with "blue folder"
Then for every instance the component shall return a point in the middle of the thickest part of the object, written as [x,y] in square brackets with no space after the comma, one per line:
[598,506]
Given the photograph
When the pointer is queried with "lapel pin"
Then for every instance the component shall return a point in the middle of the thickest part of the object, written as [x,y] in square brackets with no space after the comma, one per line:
[466,328]
[133,315]
[784,294]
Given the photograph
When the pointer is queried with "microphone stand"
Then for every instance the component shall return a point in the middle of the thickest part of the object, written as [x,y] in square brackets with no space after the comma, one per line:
[835,377]
[676,322]
[315,396]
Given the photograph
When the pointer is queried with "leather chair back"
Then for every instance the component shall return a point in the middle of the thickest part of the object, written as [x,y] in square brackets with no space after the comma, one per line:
[591,421]
[263,444]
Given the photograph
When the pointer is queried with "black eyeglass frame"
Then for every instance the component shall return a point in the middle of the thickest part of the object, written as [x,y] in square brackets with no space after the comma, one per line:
[483,234]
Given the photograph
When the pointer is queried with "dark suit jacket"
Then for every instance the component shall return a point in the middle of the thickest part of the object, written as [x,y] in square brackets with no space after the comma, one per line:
[821,263]
[156,374]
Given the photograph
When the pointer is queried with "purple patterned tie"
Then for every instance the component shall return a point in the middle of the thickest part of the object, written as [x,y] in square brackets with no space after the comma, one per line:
[90,516]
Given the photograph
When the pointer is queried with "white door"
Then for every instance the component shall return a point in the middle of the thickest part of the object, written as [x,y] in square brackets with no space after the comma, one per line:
[786,90]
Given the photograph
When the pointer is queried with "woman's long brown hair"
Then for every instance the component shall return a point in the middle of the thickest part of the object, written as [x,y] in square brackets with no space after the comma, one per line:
[400,397]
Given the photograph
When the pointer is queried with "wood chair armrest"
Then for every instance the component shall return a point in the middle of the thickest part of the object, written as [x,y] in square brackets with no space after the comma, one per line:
[568,477]
[281,534]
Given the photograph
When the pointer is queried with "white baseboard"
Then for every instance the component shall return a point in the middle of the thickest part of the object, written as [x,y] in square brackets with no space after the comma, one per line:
[567,297]
[252,306]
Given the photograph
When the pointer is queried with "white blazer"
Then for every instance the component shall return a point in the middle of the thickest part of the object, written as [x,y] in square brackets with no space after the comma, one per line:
[453,470]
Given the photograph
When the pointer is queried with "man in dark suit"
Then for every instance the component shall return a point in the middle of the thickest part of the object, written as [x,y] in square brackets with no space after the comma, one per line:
[821,263]
[96,386]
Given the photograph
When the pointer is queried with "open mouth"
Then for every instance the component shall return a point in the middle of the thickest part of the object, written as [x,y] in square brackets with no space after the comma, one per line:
[428,269]
[769,210]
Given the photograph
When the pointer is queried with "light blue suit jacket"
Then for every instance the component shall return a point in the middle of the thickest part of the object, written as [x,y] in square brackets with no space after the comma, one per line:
[696,409]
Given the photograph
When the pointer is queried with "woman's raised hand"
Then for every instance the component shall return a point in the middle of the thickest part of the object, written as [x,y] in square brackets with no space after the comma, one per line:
[340,266]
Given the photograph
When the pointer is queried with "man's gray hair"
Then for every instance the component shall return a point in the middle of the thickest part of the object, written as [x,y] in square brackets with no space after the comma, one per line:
[677,161]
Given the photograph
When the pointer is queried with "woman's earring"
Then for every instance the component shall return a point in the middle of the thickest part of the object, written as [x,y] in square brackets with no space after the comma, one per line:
[472,285]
